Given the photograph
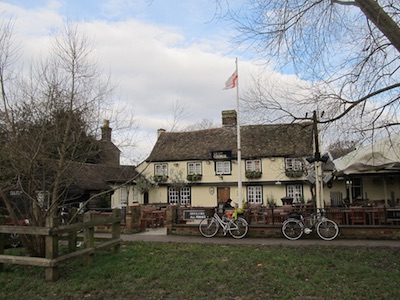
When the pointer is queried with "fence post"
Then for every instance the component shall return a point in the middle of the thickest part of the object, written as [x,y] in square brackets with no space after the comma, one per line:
[133,219]
[116,227]
[88,235]
[51,273]
[169,218]
[72,236]
[2,240]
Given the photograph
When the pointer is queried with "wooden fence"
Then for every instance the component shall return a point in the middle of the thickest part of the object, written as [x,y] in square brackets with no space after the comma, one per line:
[53,234]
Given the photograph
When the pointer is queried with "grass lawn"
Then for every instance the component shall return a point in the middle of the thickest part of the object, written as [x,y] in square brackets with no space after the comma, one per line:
[145,270]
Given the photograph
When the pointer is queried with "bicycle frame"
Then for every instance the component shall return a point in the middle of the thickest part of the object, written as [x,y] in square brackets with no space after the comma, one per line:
[294,227]
[237,227]
[225,225]
[313,219]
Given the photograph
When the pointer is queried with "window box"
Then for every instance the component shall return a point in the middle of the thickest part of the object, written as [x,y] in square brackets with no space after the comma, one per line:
[194,177]
[160,178]
[294,173]
[253,174]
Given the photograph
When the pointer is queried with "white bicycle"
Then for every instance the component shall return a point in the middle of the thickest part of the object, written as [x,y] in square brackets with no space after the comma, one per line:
[294,227]
[237,227]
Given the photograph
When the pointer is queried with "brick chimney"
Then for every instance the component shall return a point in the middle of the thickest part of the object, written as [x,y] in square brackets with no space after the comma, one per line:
[229,118]
[106,131]
[159,131]
[109,153]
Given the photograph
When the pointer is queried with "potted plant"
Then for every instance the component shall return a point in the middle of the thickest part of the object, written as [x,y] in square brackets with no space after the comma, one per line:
[253,174]
[194,177]
[160,178]
[294,173]
[271,202]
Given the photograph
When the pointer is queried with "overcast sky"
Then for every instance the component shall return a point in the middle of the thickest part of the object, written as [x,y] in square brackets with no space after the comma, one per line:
[158,52]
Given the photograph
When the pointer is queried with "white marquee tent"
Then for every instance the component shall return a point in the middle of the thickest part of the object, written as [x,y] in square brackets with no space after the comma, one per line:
[380,156]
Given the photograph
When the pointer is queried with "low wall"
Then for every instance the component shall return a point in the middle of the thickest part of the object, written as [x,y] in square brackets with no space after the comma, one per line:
[274,231]
[132,225]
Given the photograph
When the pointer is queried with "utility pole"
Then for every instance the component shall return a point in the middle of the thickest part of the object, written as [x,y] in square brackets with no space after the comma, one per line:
[317,165]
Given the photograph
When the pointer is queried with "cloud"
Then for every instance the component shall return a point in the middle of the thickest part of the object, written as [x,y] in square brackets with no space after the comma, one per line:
[154,65]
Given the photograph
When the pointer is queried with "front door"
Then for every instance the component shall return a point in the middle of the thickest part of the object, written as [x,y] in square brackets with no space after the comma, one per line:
[223,194]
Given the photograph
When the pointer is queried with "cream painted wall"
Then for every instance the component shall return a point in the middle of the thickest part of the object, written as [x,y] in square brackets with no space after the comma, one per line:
[374,187]
[158,195]
[133,197]
[273,170]
[204,196]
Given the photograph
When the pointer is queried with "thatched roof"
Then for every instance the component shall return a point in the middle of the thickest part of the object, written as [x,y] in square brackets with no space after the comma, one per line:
[275,140]
[99,177]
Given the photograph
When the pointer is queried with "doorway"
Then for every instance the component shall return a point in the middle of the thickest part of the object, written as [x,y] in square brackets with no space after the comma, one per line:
[223,194]
[146,198]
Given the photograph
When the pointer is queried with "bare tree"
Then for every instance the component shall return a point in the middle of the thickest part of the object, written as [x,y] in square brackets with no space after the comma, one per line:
[179,114]
[346,53]
[201,125]
[48,120]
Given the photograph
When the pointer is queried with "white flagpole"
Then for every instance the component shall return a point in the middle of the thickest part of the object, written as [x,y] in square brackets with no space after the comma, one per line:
[239,150]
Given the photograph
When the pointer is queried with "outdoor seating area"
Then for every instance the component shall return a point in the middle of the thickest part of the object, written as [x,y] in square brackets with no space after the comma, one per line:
[357,215]
[152,216]
[260,215]
[353,215]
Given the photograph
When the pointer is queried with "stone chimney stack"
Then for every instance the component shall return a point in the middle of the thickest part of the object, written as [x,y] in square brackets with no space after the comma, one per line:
[106,131]
[229,118]
[109,153]
[159,131]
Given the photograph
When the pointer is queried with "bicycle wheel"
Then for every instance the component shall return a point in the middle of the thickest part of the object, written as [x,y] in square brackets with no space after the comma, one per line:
[238,228]
[327,229]
[208,227]
[292,229]
[14,240]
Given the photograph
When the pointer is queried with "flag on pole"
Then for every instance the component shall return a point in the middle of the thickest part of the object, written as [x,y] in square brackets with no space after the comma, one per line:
[231,82]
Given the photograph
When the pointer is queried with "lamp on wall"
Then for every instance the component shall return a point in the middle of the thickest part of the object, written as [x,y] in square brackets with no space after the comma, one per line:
[278,182]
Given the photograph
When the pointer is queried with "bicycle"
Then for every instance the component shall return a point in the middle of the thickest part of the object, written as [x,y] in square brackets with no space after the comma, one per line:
[237,227]
[294,227]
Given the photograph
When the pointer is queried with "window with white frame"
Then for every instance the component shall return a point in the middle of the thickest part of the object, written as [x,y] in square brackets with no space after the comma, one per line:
[161,169]
[124,196]
[254,194]
[295,164]
[295,191]
[253,165]
[194,168]
[184,194]
[223,167]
